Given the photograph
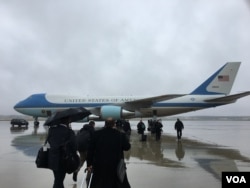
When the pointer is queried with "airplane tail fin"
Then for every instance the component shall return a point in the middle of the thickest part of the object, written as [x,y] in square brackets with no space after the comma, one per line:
[220,82]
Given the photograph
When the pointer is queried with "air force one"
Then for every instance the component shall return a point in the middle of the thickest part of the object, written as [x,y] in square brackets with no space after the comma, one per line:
[211,93]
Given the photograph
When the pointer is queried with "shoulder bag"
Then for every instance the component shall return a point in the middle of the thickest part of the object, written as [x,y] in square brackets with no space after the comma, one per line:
[42,156]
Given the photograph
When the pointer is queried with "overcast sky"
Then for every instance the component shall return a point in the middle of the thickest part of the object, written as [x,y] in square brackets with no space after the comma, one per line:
[121,47]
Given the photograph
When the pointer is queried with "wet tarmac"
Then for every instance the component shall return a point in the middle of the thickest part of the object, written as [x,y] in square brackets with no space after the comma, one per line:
[160,164]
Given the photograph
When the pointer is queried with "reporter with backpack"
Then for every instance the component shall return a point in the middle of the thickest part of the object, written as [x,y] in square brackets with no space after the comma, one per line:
[58,136]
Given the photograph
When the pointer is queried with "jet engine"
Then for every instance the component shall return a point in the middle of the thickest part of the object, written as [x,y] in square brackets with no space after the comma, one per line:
[115,112]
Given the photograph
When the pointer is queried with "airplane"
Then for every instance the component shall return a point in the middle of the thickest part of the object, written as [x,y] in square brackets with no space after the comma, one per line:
[211,93]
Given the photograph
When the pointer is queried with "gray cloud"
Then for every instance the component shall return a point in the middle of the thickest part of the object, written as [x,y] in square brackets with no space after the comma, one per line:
[120,47]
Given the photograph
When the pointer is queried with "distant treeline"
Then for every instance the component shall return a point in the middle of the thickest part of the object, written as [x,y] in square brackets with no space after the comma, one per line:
[210,118]
[171,118]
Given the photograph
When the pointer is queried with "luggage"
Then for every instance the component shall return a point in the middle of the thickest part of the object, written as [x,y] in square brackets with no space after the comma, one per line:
[42,158]
[71,160]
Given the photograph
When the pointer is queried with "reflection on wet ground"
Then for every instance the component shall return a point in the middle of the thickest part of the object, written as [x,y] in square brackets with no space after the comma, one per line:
[167,153]
[187,153]
[166,163]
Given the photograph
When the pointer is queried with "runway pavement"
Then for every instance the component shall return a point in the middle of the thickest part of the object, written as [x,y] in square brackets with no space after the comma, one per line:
[160,164]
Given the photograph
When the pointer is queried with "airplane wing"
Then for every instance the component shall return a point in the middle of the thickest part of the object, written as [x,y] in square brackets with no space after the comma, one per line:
[229,98]
[146,102]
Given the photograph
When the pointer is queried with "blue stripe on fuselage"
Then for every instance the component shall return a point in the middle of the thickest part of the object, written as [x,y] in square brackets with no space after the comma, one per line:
[39,100]
[196,105]
[33,101]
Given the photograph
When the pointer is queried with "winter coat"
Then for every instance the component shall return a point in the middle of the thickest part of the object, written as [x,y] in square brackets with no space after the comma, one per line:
[57,136]
[179,125]
[141,128]
[158,127]
[105,150]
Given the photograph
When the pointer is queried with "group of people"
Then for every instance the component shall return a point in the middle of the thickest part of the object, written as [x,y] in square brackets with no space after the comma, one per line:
[102,149]
[155,127]
[124,126]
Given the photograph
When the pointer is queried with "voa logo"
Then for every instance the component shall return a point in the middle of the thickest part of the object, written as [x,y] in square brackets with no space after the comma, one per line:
[236,179]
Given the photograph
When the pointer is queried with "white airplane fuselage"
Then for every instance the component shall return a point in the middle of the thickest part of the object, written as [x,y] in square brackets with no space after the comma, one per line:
[52,103]
[211,93]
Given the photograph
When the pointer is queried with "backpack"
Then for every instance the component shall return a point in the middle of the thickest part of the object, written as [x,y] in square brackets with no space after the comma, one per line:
[70,158]
[82,140]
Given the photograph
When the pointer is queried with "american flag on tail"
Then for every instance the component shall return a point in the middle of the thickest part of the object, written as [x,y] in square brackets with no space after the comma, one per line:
[223,78]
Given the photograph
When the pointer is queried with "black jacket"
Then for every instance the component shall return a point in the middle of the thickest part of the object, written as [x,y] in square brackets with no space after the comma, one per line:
[179,125]
[57,136]
[105,150]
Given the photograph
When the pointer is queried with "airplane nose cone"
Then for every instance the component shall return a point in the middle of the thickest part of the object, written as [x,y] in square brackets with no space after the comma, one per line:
[17,106]
[28,105]
[20,105]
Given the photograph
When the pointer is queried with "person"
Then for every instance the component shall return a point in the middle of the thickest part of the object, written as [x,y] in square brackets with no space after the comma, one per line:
[178,127]
[140,129]
[57,136]
[151,126]
[105,151]
[127,128]
[158,129]
[83,138]
[119,124]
